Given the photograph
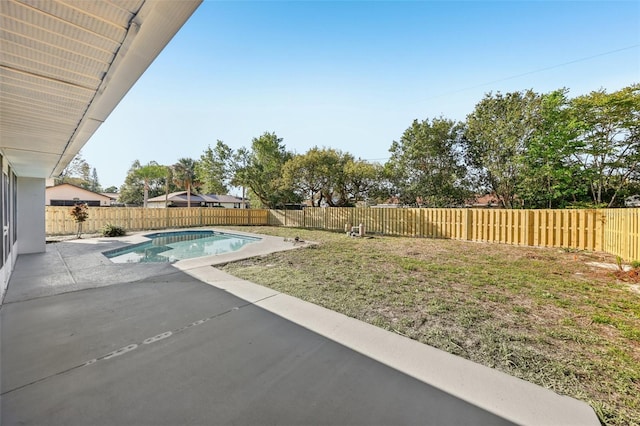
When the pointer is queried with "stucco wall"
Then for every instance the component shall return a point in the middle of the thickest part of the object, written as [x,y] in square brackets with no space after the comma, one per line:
[31,227]
[69,192]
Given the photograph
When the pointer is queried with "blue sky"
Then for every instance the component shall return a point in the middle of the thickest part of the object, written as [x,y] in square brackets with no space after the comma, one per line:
[353,75]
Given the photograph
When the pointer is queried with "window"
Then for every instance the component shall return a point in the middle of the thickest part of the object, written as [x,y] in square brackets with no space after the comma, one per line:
[71,203]
[14,217]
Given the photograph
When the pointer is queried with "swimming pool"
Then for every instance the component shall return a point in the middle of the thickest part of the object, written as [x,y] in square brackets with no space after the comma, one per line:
[170,247]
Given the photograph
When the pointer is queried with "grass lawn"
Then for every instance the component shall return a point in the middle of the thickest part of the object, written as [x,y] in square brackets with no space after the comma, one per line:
[543,315]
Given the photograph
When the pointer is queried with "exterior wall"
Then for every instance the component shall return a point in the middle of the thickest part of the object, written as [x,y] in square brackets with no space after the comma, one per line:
[31,211]
[155,204]
[70,192]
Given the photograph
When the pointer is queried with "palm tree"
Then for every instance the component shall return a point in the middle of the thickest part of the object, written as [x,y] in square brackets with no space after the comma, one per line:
[184,174]
[147,173]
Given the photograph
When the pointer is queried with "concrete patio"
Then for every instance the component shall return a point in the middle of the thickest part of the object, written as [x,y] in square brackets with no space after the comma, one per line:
[88,342]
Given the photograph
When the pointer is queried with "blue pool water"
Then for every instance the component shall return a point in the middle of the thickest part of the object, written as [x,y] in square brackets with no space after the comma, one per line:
[174,246]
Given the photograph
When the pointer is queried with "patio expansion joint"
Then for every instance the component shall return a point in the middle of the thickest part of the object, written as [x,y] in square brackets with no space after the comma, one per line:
[133,346]
[66,266]
[89,288]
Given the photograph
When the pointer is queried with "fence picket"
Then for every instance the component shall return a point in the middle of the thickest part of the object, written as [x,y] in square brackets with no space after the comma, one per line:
[615,231]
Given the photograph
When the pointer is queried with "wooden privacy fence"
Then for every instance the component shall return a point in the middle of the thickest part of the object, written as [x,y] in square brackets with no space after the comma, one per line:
[615,231]
[621,233]
[611,230]
[58,221]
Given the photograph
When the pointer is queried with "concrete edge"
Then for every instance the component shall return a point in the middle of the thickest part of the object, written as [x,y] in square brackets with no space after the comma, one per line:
[265,245]
[511,398]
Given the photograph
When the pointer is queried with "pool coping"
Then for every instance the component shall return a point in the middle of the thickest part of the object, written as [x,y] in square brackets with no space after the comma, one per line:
[265,245]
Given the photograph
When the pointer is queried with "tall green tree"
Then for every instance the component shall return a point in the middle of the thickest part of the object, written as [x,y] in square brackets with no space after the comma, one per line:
[335,192]
[77,172]
[184,175]
[94,183]
[497,133]
[148,173]
[426,164]
[143,182]
[261,171]
[308,174]
[326,175]
[132,190]
[214,170]
[608,147]
[237,169]
[362,180]
[550,177]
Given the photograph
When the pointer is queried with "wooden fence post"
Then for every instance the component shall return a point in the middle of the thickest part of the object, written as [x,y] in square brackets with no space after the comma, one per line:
[467,221]
[600,230]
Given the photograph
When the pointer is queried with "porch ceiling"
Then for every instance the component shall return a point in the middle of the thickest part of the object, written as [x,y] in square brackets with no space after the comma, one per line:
[66,64]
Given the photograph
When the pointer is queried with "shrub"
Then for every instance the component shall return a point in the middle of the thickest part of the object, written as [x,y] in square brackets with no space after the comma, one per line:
[110,230]
[80,213]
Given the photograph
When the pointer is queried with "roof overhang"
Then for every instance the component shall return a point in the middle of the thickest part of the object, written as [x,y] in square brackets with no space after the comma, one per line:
[66,64]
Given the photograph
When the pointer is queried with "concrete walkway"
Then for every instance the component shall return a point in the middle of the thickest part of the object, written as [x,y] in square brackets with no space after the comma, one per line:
[88,342]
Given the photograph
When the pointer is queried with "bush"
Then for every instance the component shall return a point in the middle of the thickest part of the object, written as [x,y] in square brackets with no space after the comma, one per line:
[80,213]
[110,230]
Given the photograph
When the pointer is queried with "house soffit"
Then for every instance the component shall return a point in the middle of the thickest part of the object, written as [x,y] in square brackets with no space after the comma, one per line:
[65,65]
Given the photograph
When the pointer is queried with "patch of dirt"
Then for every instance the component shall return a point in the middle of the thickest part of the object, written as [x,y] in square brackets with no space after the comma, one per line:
[625,273]
[630,276]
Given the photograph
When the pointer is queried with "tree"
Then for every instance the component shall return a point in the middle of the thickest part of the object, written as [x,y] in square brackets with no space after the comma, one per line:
[362,179]
[94,184]
[184,175]
[214,169]
[307,174]
[111,190]
[76,173]
[426,164]
[151,171]
[134,188]
[496,136]
[132,191]
[335,191]
[80,213]
[608,147]
[261,170]
[550,177]
[318,176]
[238,168]
[328,176]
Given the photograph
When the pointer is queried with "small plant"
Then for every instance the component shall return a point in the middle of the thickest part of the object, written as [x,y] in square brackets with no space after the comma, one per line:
[110,230]
[635,264]
[80,213]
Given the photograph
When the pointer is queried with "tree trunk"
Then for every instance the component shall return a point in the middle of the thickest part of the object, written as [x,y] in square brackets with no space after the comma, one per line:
[146,193]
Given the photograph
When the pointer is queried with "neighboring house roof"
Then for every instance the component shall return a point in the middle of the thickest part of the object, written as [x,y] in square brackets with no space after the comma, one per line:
[181,196]
[487,200]
[113,195]
[226,198]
